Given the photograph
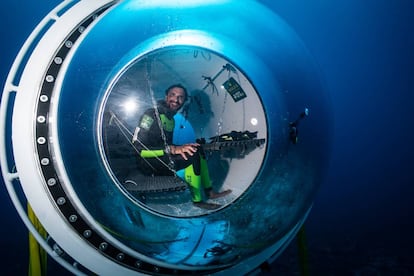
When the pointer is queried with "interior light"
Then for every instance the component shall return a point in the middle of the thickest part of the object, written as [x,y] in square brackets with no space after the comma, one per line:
[130,106]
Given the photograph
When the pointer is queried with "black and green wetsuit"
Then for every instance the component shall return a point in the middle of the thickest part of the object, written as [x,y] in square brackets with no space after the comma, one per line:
[153,157]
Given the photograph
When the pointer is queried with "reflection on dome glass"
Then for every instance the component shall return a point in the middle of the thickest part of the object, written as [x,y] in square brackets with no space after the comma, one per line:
[148,129]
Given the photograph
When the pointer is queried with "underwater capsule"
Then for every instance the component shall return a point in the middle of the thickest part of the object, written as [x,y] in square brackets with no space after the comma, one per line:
[136,49]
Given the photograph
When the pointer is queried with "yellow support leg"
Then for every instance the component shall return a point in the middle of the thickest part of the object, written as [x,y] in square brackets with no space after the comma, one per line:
[37,255]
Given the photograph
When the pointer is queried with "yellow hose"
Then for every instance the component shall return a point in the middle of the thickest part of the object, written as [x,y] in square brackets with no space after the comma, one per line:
[37,255]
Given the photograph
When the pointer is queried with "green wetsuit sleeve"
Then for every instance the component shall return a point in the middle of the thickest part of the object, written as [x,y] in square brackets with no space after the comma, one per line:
[151,153]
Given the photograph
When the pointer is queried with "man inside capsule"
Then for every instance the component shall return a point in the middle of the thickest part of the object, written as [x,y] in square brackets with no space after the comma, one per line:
[159,156]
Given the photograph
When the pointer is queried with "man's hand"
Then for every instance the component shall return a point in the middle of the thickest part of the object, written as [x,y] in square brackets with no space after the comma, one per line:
[184,150]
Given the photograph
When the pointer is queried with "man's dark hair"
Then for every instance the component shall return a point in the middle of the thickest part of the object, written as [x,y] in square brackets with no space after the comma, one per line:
[178,85]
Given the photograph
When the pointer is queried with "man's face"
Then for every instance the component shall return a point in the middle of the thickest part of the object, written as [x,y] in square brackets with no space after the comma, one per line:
[175,98]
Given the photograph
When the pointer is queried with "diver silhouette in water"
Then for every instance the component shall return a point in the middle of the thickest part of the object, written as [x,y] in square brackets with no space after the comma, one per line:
[159,156]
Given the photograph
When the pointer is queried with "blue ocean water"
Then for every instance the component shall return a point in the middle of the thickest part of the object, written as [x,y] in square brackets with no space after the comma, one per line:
[361,223]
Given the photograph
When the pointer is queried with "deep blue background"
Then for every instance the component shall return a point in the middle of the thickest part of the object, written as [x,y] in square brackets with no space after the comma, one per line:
[362,218]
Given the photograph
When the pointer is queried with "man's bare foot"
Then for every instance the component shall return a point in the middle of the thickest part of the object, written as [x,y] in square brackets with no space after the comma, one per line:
[214,195]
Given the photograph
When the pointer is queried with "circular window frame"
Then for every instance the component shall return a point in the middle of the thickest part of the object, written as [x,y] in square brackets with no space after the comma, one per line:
[172,42]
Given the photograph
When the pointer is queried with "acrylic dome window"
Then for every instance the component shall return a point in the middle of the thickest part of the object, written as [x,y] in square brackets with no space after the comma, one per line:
[223,113]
